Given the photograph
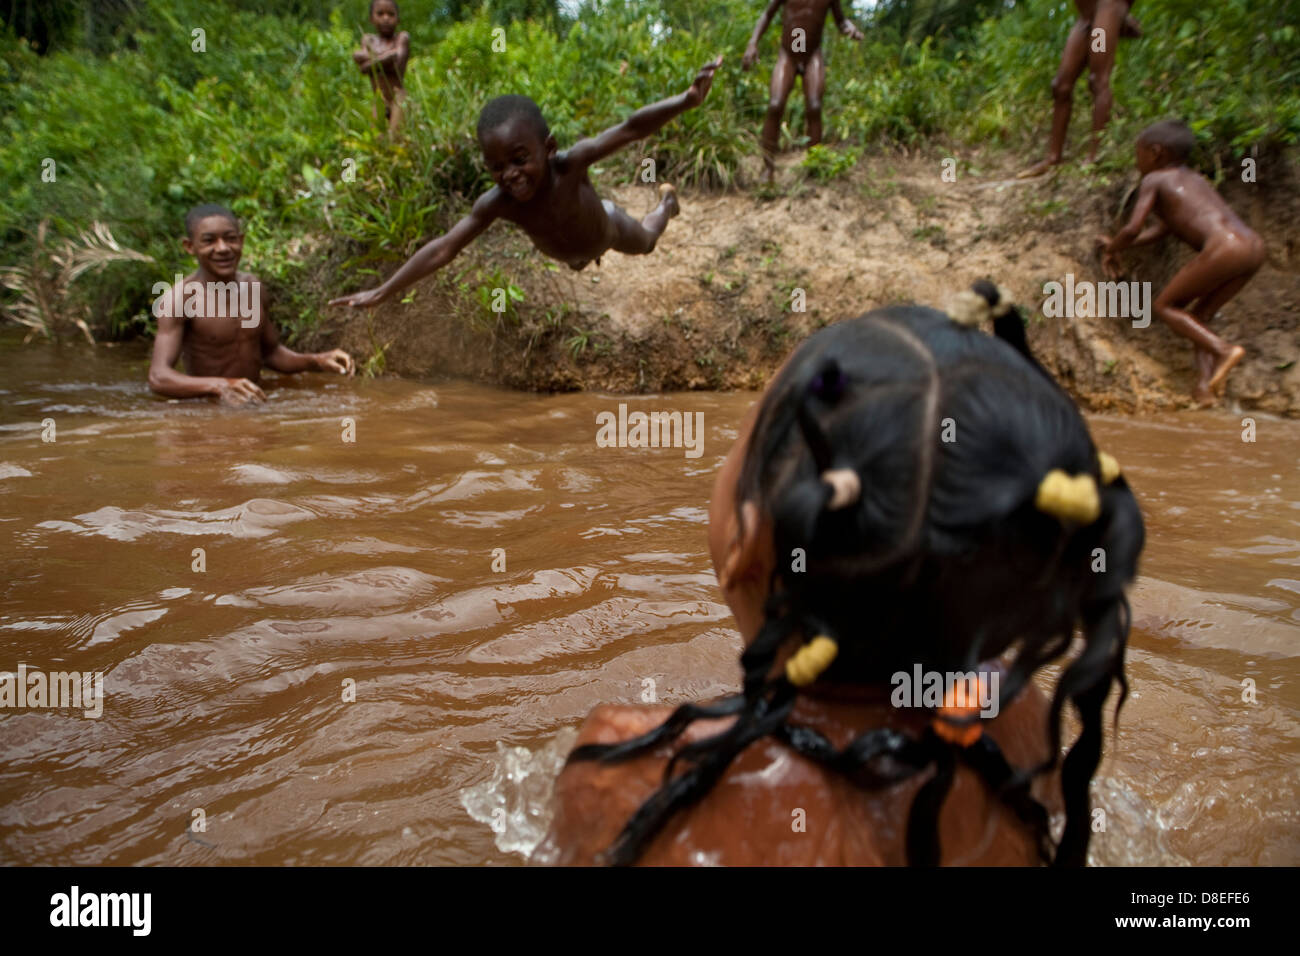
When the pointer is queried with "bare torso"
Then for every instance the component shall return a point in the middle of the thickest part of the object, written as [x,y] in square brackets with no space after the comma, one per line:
[220,346]
[565,220]
[1193,210]
[388,75]
[808,16]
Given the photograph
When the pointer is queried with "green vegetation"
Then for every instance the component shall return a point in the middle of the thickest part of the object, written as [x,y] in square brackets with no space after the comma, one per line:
[823,163]
[273,119]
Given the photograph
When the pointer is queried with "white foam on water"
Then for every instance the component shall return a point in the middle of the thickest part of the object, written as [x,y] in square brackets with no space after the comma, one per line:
[516,801]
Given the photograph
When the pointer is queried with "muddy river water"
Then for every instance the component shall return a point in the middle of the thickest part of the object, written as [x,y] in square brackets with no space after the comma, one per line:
[478,574]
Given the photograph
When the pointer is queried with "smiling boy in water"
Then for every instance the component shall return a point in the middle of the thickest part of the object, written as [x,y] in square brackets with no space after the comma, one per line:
[383,56]
[1182,201]
[215,321]
[549,194]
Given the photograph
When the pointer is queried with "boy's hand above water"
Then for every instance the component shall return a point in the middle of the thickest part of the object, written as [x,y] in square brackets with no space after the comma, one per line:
[703,81]
[239,391]
[335,360]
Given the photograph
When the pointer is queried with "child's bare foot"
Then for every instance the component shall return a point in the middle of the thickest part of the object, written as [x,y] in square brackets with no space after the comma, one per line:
[1225,365]
[1038,168]
[668,199]
[1202,397]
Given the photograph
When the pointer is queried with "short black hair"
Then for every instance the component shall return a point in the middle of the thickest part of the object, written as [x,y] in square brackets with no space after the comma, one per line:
[1173,135]
[393,2]
[505,108]
[203,211]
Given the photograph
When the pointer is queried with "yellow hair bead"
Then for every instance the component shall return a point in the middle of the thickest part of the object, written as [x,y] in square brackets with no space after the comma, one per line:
[1109,467]
[811,660]
[969,308]
[1005,302]
[1070,499]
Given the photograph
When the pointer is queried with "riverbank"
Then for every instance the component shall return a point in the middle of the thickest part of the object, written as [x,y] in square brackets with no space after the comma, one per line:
[717,305]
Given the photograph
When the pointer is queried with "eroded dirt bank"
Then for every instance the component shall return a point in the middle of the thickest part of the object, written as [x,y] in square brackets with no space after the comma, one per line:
[715,306]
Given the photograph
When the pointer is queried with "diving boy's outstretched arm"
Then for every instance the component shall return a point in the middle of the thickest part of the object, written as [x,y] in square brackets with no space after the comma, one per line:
[646,120]
[433,255]
[751,51]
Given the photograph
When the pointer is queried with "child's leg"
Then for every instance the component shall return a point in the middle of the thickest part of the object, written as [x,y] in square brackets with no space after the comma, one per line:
[1110,20]
[814,85]
[1073,60]
[395,111]
[638,238]
[782,83]
[1206,309]
[1214,276]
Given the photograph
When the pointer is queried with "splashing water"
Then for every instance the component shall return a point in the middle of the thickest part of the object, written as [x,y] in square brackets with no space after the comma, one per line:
[516,801]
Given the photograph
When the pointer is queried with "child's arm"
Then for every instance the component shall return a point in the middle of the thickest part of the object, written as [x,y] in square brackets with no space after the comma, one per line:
[362,57]
[1132,232]
[646,120]
[399,54]
[751,51]
[165,380]
[846,25]
[433,255]
[277,356]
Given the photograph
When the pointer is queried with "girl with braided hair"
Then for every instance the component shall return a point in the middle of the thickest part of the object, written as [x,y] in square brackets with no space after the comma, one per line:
[909,492]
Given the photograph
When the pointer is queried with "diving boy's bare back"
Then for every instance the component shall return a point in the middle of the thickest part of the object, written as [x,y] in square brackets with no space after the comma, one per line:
[383,57]
[800,54]
[1183,202]
[549,194]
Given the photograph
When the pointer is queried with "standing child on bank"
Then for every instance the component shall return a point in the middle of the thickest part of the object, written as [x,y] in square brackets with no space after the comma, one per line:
[857,545]
[383,57]
[1091,46]
[1182,201]
[800,54]
[549,194]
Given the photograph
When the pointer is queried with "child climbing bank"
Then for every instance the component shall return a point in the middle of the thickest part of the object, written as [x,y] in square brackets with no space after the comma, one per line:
[1180,200]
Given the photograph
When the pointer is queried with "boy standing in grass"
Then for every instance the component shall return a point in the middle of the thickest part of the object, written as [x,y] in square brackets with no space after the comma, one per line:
[549,194]
[382,57]
[800,55]
[214,320]
[1091,44]
[1229,252]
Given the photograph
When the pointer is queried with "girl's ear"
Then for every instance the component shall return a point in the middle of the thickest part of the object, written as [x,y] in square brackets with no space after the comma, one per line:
[747,569]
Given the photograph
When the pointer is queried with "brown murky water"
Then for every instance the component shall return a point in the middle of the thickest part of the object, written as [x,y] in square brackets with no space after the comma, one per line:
[372,562]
